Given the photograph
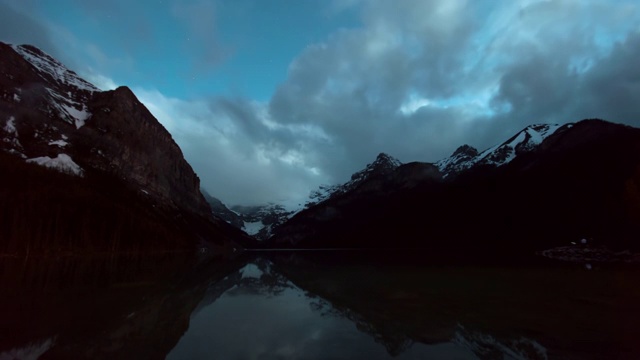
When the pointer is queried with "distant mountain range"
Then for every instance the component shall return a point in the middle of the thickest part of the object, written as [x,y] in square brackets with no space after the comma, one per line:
[257,221]
[91,170]
[260,221]
[545,186]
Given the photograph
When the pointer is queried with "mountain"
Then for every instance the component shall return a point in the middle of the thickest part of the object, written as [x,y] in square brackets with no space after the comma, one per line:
[546,186]
[384,164]
[221,210]
[527,140]
[90,169]
[261,221]
[257,221]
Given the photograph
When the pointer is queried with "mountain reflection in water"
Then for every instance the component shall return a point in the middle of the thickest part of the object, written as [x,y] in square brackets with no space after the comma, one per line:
[304,305]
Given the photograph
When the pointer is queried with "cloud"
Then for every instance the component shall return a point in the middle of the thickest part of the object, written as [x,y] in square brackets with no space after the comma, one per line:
[18,28]
[240,155]
[420,78]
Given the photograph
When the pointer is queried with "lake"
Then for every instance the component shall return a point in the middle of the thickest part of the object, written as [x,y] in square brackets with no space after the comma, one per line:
[315,305]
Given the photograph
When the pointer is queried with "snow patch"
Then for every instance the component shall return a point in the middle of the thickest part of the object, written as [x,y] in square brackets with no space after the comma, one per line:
[62,163]
[67,109]
[252,228]
[79,116]
[16,98]
[60,143]
[12,139]
[10,126]
[48,65]
[251,271]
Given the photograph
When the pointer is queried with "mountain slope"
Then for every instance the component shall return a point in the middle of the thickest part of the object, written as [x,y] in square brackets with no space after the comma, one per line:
[383,164]
[105,140]
[466,157]
[262,221]
[528,193]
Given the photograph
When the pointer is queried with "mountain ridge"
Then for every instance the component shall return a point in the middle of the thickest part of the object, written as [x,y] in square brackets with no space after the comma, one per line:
[50,117]
[541,169]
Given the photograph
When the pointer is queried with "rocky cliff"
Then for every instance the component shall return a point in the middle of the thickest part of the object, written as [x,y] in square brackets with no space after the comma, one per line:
[105,145]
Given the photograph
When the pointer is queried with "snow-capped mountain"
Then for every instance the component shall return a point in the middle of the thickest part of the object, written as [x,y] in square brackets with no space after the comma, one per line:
[68,93]
[52,118]
[46,113]
[543,187]
[45,85]
[258,221]
[261,221]
[384,164]
[466,157]
[42,85]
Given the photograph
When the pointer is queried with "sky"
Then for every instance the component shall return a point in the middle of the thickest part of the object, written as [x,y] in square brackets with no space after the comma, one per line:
[268,99]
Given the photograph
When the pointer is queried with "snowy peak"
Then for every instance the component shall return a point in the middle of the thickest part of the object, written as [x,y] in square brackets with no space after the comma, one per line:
[524,141]
[465,152]
[51,69]
[260,221]
[34,83]
[384,164]
[458,161]
[68,93]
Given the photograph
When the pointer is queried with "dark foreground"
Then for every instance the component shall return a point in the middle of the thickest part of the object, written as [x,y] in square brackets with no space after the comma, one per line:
[315,305]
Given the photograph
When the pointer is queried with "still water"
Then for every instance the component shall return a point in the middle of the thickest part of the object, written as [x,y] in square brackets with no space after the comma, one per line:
[305,305]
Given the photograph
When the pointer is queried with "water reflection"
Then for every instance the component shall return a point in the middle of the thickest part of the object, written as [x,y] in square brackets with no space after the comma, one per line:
[304,306]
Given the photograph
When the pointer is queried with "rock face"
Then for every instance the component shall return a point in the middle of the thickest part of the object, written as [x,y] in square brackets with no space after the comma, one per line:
[51,117]
[54,112]
[221,210]
[544,187]
[123,137]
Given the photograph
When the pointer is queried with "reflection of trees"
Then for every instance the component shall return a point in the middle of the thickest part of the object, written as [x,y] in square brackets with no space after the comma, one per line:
[102,308]
[333,298]
[400,308]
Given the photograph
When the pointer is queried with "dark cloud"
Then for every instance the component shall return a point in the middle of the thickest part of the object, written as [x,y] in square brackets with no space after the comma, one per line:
[611,89]
[480,72]
[18,28]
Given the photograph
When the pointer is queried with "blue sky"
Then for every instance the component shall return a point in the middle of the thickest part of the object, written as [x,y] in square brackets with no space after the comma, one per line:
[199,48]
[269,99]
